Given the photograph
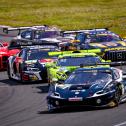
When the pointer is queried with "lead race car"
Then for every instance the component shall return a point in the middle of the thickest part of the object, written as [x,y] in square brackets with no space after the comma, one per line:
[98,86]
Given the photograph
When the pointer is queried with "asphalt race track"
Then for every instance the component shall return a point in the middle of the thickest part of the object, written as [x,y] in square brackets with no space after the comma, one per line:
[25,105]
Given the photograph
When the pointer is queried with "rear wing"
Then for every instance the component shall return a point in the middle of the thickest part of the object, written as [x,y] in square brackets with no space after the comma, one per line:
[77,51]
[23,43]
[20,29]
[91,31]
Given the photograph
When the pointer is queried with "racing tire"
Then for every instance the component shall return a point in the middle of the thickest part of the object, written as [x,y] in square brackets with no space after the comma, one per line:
[8,73]
[117,96]
[50,108]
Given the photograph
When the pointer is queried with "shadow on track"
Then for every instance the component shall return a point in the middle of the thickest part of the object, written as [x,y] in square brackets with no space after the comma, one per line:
[73,110]
[14,82]
[43,88]
[9,82]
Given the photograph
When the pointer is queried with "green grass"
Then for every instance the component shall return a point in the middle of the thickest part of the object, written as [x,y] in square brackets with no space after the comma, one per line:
[66,14]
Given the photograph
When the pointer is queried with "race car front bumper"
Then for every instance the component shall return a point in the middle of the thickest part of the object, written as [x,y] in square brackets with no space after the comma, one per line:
[40,75]
[31,76]
[99,101]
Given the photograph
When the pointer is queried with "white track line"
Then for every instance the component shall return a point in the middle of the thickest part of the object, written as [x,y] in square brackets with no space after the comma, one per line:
[121,124]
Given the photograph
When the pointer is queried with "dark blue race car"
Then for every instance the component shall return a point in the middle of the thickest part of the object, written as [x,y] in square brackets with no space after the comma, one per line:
[100,86]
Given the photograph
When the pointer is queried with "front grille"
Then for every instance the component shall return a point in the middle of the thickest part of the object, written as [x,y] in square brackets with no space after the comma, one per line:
[115,55]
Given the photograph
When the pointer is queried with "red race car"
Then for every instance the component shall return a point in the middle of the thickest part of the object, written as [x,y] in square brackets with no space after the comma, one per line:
[5,52]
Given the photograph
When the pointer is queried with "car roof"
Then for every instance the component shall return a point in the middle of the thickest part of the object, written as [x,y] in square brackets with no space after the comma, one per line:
[77,55]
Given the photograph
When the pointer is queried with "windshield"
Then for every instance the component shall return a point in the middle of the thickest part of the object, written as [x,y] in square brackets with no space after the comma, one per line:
[39,34]
[89,77]
[102,38]
[76,61]
[46,34]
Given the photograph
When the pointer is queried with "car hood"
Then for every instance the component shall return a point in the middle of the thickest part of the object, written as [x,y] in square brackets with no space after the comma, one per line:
[41,61]
[108,44]
[80,90]
[65,69]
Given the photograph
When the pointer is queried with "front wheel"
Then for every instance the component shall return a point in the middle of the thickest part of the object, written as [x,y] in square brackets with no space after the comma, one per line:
[50,108]
[117,96]
[116,100]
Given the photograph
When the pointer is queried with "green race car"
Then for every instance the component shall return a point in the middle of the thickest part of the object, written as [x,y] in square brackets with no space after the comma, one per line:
[68,62]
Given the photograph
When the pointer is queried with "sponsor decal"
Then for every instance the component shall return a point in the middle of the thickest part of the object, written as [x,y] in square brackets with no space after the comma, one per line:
[76,99]
[111,44]
[30,61]
[118,48]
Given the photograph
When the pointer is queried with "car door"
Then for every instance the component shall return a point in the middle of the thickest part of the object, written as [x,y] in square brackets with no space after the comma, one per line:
[18,61]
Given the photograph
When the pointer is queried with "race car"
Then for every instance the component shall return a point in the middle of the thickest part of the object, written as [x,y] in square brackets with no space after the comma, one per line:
[5,52]
[29,64]
[40,34]
[33,32]
[112,46]
[66,63]
[97,86]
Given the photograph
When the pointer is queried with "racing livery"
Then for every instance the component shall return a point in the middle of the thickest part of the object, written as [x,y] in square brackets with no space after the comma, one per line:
[112,46]
[29,64]
[66,63]
[98,86]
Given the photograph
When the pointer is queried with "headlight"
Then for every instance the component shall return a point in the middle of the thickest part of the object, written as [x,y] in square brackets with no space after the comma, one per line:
[55,94]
